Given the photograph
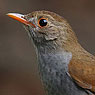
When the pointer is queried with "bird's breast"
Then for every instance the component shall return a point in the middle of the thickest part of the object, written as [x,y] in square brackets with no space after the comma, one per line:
[53,69]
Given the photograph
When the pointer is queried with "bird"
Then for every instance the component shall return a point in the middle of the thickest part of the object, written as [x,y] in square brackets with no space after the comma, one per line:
[65,67]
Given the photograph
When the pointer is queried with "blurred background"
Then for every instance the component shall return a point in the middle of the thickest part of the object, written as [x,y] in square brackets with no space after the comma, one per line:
[18,68]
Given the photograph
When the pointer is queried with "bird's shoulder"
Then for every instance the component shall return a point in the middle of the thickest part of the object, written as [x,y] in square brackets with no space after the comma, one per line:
[82,70]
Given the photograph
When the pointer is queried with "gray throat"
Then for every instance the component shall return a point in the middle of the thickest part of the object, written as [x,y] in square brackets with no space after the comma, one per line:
[53,68]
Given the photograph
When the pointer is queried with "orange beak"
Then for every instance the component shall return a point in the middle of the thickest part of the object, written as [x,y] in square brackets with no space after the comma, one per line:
[20,18]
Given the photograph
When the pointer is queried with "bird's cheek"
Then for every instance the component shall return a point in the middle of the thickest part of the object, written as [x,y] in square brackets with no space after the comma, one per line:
[51,36]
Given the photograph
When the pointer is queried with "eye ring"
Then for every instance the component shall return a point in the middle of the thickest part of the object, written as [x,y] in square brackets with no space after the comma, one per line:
[42,22]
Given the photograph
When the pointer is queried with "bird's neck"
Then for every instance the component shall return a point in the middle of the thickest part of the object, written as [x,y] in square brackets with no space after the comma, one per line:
[53,68]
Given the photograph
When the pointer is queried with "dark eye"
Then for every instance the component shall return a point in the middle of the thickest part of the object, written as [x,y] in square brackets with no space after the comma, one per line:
[42,22]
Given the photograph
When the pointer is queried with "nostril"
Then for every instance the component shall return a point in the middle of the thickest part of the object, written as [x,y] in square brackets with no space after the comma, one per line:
[22,17]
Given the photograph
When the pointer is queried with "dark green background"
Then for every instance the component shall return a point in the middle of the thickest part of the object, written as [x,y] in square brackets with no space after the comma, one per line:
[18,68]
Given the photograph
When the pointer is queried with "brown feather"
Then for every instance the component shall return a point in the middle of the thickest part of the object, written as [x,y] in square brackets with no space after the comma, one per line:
[82,68]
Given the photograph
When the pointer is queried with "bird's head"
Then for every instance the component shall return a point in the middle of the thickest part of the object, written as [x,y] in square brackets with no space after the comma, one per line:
[46,27]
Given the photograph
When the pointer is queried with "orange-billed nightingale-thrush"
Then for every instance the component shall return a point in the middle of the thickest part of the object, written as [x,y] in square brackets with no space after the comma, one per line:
[65,67]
